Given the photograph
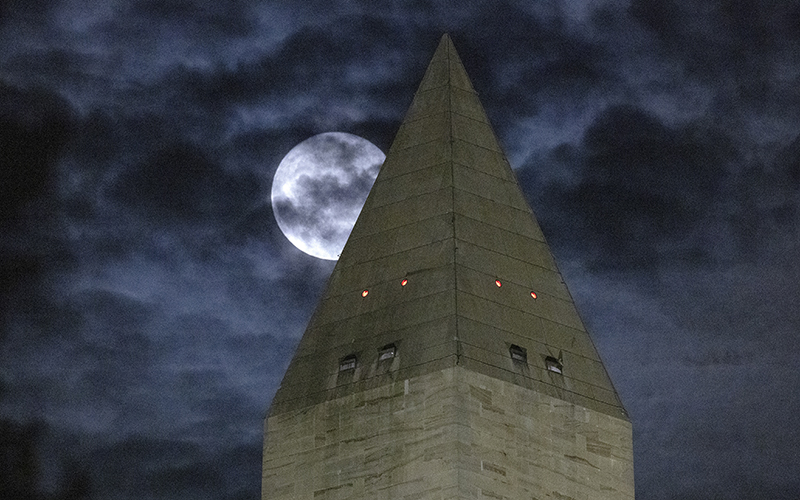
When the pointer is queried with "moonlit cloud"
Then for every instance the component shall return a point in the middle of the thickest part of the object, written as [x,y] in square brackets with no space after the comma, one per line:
[150,303]
[319,189]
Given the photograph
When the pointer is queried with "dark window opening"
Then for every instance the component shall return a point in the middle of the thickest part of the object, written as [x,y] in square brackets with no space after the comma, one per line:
[553,364]
[347,363]
[518,353]
[387,352]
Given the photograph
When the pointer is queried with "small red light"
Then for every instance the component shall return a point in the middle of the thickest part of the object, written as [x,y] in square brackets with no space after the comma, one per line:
[365,293]
[533,294]
[497,282]
[404,282]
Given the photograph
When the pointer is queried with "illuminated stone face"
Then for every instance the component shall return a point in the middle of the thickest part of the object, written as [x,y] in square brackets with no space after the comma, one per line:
[487,393]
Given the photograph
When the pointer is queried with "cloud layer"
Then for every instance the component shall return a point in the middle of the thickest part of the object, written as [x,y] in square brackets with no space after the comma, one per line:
[150,304]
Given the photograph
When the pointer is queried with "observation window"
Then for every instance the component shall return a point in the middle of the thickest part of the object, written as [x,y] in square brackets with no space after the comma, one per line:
[518,353]
[387,352]
[347,363]
[553,365]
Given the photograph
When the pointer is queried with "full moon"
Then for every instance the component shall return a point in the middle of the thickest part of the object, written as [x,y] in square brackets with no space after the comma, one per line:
[319,189]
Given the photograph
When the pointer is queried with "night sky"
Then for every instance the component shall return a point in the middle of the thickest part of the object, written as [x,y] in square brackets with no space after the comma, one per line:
[150,304]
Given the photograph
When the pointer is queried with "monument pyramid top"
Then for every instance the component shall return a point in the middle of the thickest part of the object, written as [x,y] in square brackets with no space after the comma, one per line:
[446,266]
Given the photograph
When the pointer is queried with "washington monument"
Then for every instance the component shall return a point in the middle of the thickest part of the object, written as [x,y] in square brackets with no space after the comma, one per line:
[446,359]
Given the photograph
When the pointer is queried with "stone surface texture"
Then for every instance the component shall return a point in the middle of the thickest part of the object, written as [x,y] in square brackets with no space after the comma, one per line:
[451,414]
[449,434]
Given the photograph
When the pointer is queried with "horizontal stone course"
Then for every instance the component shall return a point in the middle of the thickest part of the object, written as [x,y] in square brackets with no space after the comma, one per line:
[451,430]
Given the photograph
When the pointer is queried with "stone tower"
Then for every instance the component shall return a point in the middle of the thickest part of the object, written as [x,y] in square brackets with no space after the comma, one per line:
[446,359]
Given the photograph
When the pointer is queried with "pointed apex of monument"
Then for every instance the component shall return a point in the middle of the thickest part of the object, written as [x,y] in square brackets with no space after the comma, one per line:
[445,44]
[445,68]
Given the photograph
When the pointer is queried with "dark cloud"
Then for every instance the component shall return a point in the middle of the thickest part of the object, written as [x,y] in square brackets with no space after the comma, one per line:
[23,474]
[640,184]
[664,18]
[179,469]
[181,182]
[541,54]
[35,127]
[150,303]
[706,444]
[35,124]
[198,19]
[766,207]
[32,11]
[736,48]
[17,445]
[787,167]
[318,59]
